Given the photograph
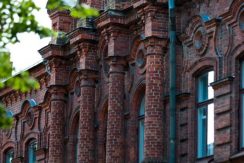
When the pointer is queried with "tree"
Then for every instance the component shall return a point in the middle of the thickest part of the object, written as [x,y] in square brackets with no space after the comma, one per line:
[16,16]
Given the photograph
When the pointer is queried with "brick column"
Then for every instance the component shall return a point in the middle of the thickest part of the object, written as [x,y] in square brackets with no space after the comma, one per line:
[222,119]
[56,140]
[115,136]
[87,106]
[153,145]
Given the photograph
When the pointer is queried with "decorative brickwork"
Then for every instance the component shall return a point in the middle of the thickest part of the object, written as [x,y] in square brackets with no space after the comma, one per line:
[93,82]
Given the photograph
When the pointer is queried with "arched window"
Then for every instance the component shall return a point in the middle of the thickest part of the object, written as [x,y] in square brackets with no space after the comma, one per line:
[31,151]
[205,115]
[76,146]
[73,143]
[9,155]
[141,115]
[242,103]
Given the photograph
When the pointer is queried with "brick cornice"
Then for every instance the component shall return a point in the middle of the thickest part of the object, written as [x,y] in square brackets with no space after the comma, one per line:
[57,92]
[117,64]
[51,50]
[155,45]
[86,74]
[222,82]
[83,34]
[111,17]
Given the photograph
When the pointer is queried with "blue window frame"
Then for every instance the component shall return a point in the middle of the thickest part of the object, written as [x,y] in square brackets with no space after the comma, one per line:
[205,115]
[141,130]
[9,155]
[242,104]
[31,152]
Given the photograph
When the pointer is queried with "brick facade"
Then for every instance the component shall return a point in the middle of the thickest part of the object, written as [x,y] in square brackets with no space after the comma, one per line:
[92,82]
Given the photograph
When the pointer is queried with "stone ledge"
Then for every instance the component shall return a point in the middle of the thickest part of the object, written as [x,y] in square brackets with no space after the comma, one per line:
[238,157]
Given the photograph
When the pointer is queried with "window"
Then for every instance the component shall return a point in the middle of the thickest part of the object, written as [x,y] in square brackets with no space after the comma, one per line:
[242,103]
[141,130]
[76,144]
[205,115]
[9,155]
[31,152]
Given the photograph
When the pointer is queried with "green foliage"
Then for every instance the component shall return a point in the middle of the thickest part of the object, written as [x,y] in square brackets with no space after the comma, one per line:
[5,122]
[77,11]
[16,16]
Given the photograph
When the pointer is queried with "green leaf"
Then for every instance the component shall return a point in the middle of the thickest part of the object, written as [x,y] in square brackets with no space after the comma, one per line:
[5,122]
[82,11]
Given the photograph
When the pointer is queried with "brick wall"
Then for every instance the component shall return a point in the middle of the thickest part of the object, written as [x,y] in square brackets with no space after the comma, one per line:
[101,75]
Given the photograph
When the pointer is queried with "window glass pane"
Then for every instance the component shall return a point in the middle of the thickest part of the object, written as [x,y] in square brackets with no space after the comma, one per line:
[202,131]
[142,107]
[205,91]
[32,152]
[9,156]
[77,144]
[242,74]
[141,141]
[242,120]
[76,152]
[203,88]
[210,131]
[210,88]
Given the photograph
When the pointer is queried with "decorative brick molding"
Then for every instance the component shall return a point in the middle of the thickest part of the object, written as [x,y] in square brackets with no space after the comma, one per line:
[94,79]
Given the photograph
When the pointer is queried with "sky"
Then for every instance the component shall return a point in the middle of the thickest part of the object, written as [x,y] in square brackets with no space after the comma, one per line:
[25,54]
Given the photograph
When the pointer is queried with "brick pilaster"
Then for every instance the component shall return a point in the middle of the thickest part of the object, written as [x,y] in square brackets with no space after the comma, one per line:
[18,160]
[153,151]
[222,119]
[87,106]
[41,155]
[56,140]
[115,136]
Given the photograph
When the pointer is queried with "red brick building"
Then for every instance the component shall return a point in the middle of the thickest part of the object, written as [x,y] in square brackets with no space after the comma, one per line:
[104,93]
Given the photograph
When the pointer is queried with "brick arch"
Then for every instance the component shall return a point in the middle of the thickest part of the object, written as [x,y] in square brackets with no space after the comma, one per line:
[46,99]
[201,64]
[26,140]
[137,46]
[27,104]
[136,96]
[233,64]
[193,24]
[30,136]
[196,69]
[7,146]
[73,136]
[102,47]
[73,77]
[102,131]
[102,55]
[233,57]
[74,122]
[235,9]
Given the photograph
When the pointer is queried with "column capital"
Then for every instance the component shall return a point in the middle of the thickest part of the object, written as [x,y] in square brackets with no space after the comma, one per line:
[222,86]
[57,92]
[155,45]
[117,64]
[88,77]
[222,82]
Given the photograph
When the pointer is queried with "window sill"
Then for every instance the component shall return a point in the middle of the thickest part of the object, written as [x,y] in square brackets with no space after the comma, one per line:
[238,157]
[208,159]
